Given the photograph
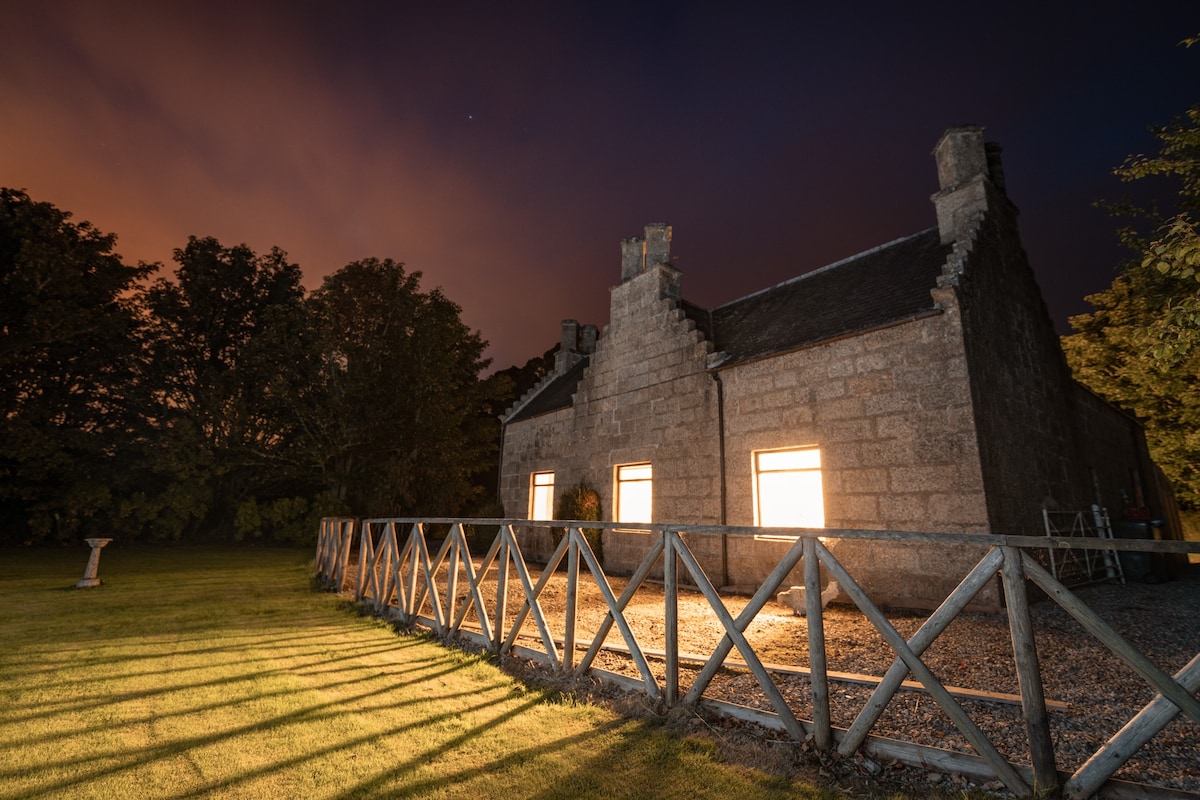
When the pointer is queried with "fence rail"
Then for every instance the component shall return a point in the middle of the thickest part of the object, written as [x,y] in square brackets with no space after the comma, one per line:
[398,573]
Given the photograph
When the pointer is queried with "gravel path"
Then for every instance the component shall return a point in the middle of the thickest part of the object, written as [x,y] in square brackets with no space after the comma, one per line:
[1099,691]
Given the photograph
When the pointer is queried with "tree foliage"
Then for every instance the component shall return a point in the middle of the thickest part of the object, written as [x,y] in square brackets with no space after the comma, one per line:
[1174,336]
[69,361]
[219,401]
[1140,347]
[391,415]
[1173,246]
[521,379]
[221,363]
[1107,354]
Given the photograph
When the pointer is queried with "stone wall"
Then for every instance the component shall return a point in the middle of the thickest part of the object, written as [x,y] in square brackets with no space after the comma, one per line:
[645,397]
[1044,441]
[535,445]
[962,420]
[891,412]
[1112,450]
[1020,384]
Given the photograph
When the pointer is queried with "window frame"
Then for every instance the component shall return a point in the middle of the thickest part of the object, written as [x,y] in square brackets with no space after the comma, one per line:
[619,484]
[536,489]
[757,470]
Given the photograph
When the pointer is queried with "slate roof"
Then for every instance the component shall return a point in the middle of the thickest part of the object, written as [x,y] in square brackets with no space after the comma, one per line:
[554,395]
[866,291]
[872,289]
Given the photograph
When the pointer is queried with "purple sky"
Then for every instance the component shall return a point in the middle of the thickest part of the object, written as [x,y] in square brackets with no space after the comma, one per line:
[505,149]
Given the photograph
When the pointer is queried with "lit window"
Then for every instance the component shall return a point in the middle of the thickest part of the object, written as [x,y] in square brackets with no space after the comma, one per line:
[541,495]
[634,493]
[787,487]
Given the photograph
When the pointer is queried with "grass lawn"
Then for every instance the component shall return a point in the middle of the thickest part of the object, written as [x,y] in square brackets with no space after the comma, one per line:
[217,672]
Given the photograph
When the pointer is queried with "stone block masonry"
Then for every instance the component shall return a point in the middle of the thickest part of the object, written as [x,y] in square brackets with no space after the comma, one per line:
[926,373]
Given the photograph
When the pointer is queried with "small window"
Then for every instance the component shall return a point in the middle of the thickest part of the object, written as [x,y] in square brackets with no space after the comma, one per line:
[541,495]
[787,488]
[634,493]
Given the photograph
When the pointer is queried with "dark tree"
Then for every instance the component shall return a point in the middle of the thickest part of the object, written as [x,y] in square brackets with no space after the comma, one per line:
[225,354]
[521,379]
[70,353]
[391,418]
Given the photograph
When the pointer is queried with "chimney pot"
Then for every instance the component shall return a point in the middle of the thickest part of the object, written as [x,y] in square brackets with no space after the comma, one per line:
[588,335]
[658,244]
[570,336]
[633,257]
[961,156]
[568,347]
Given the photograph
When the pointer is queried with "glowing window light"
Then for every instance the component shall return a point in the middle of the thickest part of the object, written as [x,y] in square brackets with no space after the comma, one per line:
[634,493]
[541,495]
[788,488]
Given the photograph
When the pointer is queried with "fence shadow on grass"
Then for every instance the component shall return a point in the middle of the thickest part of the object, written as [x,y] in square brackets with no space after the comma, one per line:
[127,715]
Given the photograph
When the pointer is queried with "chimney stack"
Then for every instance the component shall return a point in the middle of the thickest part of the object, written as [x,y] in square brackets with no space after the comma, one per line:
[633,257]
[568,347]
[969,177]
[588,335]
[961,156]
[658,244]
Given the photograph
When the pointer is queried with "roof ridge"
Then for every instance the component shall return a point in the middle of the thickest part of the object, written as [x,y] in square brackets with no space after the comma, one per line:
[828,267]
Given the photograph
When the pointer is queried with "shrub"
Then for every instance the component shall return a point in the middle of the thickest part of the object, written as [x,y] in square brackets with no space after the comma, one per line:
[286,520]
[580,502]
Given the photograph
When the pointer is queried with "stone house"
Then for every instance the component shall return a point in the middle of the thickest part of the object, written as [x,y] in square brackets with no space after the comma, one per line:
[916,386]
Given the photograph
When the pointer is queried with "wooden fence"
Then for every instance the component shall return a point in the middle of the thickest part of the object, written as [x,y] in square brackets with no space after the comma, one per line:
[458,594]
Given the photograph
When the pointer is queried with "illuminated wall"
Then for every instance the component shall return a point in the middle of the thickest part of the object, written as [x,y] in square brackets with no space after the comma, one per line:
[942,404]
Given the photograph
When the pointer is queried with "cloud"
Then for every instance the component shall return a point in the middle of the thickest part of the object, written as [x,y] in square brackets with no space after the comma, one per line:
[169,122]
[504,153]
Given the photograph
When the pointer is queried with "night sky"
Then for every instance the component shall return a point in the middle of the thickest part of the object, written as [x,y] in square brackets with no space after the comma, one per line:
[505,149]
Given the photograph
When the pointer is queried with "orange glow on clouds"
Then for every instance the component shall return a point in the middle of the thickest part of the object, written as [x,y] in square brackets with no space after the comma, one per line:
[504,152]
[161,125]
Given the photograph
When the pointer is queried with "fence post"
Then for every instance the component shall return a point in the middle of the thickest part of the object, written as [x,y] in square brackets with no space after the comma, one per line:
[318,562]
[671,617]
[343,562]
[366,555]
[506,534]
[322,537]
[454,558]
[1029,676]
[822,733]
[572,599]
[381,569]
[416,538]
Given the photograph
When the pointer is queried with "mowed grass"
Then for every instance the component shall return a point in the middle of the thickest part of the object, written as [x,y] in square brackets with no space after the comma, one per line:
[220,673]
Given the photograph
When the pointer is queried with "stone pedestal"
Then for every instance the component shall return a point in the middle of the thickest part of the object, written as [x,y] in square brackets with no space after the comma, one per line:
[89,575]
